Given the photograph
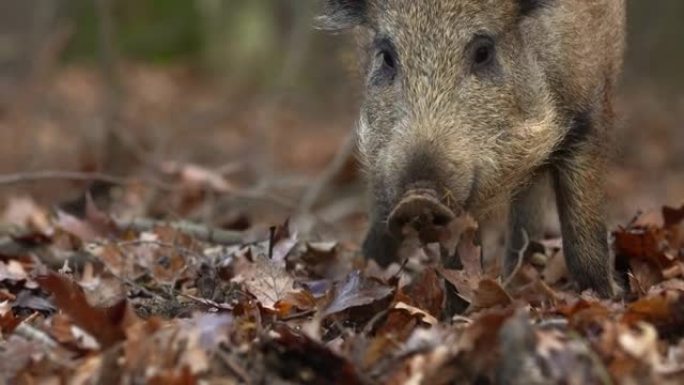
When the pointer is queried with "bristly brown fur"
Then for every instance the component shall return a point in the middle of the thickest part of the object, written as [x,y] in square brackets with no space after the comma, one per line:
[527,7]
[539,107]
[342,14]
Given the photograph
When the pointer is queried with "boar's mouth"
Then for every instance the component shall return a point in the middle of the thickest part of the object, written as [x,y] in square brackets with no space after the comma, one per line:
[428,188]
[421,210]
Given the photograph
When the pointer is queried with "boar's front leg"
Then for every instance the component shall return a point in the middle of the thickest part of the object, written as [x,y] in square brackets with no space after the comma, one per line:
[526,218]
[379,244]
[578,181]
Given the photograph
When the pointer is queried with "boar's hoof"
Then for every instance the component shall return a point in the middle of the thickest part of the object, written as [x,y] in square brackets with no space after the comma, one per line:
[421,210]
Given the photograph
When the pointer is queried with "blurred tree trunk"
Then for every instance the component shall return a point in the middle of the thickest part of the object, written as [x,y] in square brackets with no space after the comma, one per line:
[654,49]
[25,29]
[255,42]
[239,38]
[117,157]
[258,47]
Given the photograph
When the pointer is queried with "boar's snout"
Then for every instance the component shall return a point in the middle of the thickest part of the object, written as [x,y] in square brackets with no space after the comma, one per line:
[422,210]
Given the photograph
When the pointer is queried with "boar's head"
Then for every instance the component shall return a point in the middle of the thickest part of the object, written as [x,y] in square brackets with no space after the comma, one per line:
[457,111]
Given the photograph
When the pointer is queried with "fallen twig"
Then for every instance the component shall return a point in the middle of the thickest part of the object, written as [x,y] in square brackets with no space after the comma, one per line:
[254,194]
[301,314]
[521,257]
[201,232]
[32,333]
[236,368]
[33,176]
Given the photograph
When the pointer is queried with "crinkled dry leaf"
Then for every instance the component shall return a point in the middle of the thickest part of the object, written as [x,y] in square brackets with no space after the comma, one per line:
[664,310]
[427,292]
[356,290]
[420,313]
[555,270]
[299,359]
[470,253]
[28,300]
[13,270]
[489,293]
[105,324]
[584,316]
[672,216]
[300,299]
[8,321]
[77,227]
[283,240]
[182,376]
[641,342]
[644,276]
[465,284]
[265,279]
[194,176]
[94,226]
[25,213]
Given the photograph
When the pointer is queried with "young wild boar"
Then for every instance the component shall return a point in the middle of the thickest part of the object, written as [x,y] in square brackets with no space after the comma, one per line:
[469,104]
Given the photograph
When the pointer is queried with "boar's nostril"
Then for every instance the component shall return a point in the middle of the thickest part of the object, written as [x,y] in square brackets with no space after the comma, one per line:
[420,209]
[441,219]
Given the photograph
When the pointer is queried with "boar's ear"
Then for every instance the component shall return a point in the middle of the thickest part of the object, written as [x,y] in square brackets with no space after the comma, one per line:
[342,14]
[527,7]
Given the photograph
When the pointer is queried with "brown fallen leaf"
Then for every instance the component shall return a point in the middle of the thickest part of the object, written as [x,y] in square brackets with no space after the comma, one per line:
[479,341]
[355,291]
[644,276]
[195,177]
[672,216]
[643,243]
[95,225]
[555,269]
[427,292]
[265,279]
[417,312]
[296,357]
[181,376]
[489,293]
[105,324]
[470,253]
[465,284]
[25,213]
[8,321]
[76,227]
[585,316]
[300,299]
[664,310]
[283,241]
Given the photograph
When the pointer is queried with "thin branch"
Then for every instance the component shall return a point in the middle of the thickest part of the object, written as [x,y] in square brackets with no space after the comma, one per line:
[33,176]
[236,368]
[521,255]
[254,194]
[204,233]
[301,314]
[143,242]
[206,302]
[32,333]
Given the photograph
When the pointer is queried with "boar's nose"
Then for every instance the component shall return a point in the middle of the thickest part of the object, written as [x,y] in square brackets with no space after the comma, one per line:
[422,210]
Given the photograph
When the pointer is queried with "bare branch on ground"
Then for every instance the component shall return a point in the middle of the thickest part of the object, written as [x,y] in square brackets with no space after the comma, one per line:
[33,176]
[204,233]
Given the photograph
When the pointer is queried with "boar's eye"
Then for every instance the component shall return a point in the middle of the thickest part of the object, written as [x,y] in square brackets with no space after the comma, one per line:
[385,67]
[388,60]
[482,52]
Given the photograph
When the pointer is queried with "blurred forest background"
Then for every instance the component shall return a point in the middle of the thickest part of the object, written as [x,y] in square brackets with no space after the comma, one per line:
[246,97]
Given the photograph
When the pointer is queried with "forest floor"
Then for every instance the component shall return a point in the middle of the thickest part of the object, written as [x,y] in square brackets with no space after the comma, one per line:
[176,234]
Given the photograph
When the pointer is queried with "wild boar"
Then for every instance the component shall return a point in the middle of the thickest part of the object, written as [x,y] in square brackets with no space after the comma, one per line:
[469,104]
